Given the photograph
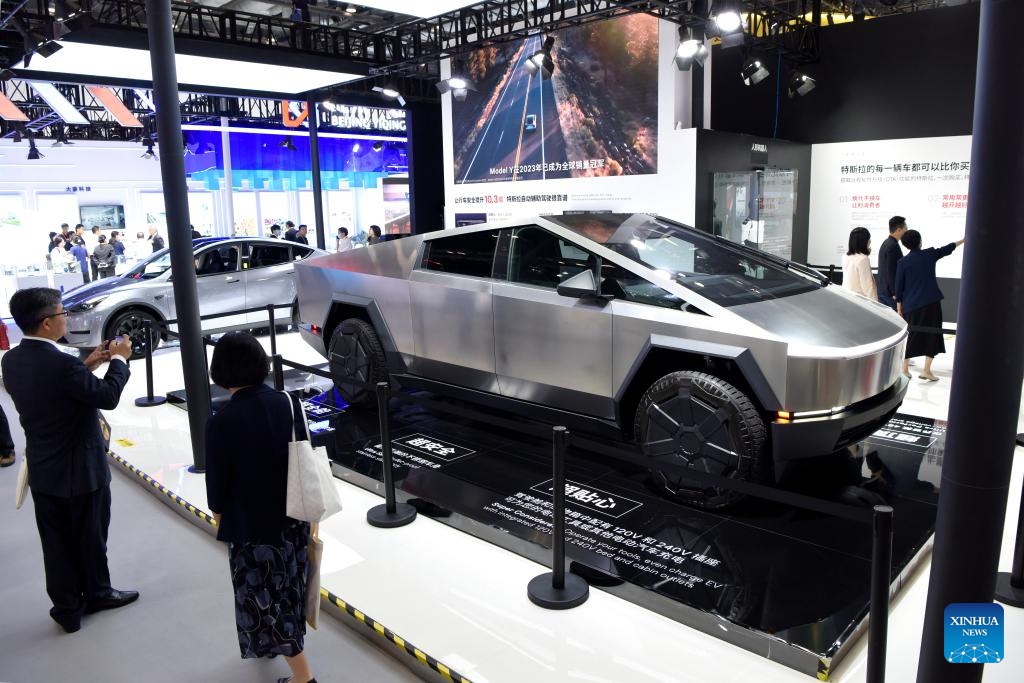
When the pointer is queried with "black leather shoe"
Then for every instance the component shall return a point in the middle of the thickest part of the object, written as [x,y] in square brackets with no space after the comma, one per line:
[70,624]
[112,600]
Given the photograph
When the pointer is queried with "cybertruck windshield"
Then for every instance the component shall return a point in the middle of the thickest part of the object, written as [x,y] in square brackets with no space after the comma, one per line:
[727,274]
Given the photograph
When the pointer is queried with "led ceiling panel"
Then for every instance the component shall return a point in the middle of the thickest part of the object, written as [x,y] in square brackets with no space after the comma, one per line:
[421,8]
[103,62]
[60,104]
[9,111]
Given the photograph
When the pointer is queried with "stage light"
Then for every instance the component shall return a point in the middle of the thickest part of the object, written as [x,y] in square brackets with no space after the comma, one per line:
[690,51]
[378,146]
[458,86]
[800,84]
[288,144]
[17,135]
[540,61]
[34,42]
[727,16]
[33,151]
[351,9]
[149,153]
[753,71]
[72,15]
[390,92]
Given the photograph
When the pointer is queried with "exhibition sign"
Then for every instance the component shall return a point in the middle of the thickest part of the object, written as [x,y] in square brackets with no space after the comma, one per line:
[865,183]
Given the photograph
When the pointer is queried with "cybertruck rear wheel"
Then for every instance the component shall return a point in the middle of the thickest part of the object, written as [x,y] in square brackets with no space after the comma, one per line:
[356,356]
[701,422]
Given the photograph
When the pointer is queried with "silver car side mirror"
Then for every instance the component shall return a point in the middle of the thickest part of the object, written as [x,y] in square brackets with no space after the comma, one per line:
[582,285]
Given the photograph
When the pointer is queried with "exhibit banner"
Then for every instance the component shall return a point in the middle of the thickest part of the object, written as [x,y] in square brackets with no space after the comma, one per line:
[865,183]
[592,128]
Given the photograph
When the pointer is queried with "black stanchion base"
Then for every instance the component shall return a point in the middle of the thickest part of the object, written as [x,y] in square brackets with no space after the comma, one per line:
[380,517]
[150,401]
[196,470]
[543,594]
[1007,593]
[1020,439]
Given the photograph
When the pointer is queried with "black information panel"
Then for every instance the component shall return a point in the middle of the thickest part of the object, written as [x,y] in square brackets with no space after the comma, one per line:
[780,575]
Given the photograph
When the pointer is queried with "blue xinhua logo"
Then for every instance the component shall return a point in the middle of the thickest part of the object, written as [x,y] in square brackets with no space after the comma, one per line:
[974,633]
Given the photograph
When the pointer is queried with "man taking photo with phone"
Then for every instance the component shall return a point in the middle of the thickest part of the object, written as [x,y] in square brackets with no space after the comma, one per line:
[58,399]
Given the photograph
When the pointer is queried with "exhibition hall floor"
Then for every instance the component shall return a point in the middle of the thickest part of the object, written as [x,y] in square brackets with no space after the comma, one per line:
[459,604]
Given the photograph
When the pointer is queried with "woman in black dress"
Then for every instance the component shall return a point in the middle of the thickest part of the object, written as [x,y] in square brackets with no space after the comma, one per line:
[919,300]
[246,481]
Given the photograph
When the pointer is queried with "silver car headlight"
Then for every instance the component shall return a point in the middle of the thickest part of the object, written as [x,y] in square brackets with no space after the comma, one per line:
[88,305]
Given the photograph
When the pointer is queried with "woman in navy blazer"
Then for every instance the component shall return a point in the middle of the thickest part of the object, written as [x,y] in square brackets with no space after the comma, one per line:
[246,485]
[919,300]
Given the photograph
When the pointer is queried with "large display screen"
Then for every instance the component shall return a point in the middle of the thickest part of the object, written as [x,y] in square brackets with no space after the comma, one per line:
[106,216]
[597,114]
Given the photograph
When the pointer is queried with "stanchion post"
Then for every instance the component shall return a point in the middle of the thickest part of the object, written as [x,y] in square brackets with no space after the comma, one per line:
[273,330]
[391,514]
[278,368]
[149,400]
[1010,587]
[881,569]
[555,589]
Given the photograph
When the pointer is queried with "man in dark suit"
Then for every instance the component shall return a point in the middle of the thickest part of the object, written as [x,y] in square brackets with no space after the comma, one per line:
[57,397]
[889,254]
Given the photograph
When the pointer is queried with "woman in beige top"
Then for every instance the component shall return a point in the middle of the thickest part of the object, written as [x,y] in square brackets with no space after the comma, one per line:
[857,275]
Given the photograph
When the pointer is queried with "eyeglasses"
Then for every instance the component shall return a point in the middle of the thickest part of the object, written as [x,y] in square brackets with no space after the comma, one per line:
[53,315]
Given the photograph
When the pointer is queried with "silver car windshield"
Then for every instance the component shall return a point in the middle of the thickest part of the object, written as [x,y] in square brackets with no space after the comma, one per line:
[727,274]
[152,267]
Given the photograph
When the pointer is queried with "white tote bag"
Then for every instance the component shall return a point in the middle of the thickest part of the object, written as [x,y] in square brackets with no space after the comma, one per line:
[22,486]
[312,496]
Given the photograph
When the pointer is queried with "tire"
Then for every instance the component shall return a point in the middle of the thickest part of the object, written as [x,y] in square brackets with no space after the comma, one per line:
[355,353]
[132,322]
[703,422]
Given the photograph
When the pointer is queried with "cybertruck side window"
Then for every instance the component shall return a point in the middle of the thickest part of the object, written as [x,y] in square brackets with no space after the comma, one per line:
[541,258]
[470,253]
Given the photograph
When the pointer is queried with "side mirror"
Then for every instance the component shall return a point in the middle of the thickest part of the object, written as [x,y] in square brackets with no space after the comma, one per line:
[582,285]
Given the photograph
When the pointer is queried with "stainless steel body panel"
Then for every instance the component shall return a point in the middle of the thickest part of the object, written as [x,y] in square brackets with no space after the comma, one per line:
[452,329]
[553,350]
[826,383]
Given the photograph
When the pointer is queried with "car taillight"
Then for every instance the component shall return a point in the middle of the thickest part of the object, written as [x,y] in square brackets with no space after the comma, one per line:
[315,330]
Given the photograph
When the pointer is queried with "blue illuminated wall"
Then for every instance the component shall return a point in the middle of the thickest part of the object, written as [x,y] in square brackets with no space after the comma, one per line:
[258,160]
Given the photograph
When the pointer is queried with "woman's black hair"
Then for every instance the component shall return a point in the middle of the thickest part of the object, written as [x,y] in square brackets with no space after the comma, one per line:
[911,240]
[239,361]
[859,238]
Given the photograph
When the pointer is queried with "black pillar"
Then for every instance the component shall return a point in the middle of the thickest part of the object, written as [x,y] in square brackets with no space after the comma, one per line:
[314,156]
[989,362]
[179,234]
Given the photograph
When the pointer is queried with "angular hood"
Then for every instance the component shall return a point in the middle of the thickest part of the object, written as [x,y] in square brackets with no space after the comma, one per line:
[79,295]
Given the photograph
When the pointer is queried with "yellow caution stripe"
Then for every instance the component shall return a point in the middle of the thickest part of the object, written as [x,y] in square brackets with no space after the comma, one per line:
[327,597]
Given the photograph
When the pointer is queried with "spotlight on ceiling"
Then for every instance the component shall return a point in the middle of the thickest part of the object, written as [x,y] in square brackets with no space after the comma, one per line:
[727,16]
[351,9]
[378,146]
[390,92]
[540,61]
[800,84]
[72,15]
[17,136]
[458,86]
[288,144]
[753,71]
[33,151]
[690,51]
[34,43]
[149,153]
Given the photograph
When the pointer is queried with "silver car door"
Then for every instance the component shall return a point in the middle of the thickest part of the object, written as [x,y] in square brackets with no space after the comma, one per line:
[269,279]
[450,296]
[220,286]
[549,348]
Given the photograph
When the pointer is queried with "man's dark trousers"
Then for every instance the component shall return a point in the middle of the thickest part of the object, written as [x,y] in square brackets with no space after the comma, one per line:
[73,532]
[6,442]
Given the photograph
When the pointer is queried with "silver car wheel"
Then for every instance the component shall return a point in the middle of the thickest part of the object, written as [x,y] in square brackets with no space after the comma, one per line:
[700,421]
[357,358]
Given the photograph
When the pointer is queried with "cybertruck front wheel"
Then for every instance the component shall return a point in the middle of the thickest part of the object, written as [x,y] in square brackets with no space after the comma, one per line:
[704,423]
[356,356]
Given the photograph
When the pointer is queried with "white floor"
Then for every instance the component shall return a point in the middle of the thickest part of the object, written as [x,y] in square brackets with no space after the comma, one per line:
[463,601]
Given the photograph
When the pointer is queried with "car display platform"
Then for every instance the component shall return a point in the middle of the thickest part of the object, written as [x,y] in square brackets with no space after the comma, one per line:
[788,584]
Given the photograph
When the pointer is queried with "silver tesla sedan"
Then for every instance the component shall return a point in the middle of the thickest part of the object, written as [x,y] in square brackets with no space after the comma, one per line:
[232,274]
[704,352]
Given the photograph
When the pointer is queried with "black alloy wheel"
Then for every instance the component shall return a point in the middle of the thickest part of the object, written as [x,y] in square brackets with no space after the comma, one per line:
[356,356]
[133,323]
[704,423]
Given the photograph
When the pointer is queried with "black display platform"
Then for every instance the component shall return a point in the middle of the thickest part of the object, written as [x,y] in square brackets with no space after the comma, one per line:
[790,585]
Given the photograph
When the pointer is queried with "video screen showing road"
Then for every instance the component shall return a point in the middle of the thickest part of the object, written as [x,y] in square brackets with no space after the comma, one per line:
[597,114]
